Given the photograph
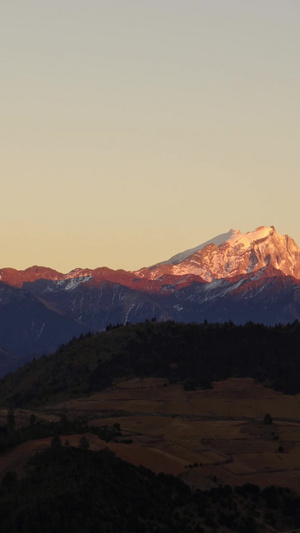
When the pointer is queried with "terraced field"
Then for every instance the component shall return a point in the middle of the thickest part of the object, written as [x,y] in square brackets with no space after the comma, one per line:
[207,437]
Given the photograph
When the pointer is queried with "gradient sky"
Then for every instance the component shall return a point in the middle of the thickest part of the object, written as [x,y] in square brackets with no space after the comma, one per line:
[135,129]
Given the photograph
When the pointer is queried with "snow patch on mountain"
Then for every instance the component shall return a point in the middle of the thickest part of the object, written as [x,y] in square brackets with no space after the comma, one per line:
[233,237]
[232,254]
[218,240]
[70,284]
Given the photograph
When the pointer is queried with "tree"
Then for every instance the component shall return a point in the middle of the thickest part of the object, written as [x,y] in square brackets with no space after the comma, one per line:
[11,421]
[84,443]
[268,420]
[56,443]
[9,480]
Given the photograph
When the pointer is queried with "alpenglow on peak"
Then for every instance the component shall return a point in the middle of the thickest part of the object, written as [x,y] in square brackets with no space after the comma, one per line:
[231,254]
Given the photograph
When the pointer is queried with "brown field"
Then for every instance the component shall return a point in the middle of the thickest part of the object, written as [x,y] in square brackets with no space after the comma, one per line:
[231,398]
[207,437]
[22,417]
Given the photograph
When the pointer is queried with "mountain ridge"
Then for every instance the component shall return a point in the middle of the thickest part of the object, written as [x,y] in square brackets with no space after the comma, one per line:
[223,256]
[244,277]
[237,254]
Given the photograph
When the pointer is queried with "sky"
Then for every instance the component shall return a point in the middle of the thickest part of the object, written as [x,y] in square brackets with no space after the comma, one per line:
[132,130]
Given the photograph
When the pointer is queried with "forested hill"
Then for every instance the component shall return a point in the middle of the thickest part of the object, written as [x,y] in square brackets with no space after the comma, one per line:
[195,354]
[84,491]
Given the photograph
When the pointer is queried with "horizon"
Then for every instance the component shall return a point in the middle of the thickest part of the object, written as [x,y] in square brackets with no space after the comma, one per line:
[182,252]
[132,132]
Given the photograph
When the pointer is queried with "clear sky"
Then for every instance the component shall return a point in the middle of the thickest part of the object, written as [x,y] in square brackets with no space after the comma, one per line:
[132,130]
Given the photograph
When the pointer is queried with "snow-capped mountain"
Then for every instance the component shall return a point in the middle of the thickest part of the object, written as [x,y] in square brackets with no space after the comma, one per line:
[234,276]
[232,254]
[225,256]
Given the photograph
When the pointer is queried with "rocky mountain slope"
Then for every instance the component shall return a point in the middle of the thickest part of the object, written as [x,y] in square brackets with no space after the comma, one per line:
[233,254]
[234,276]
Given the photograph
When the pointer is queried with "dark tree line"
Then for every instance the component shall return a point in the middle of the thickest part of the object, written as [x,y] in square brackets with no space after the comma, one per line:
[195,354]
[75,490]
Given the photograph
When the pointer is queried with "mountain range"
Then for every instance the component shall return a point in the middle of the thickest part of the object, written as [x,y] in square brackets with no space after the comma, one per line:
[253,276]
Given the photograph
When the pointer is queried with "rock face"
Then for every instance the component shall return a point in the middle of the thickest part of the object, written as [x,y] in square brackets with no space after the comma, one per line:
[225,256]
[16,278]
[239,254]
[241,277]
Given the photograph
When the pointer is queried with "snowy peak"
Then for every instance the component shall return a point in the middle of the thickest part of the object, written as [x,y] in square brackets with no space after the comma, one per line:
[233,237]
[225,256]
[233,254]
[220,239]
[247,239]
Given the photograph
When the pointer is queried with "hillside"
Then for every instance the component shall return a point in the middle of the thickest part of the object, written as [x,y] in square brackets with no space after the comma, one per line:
[84,491]
[194,354]
[228,461]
